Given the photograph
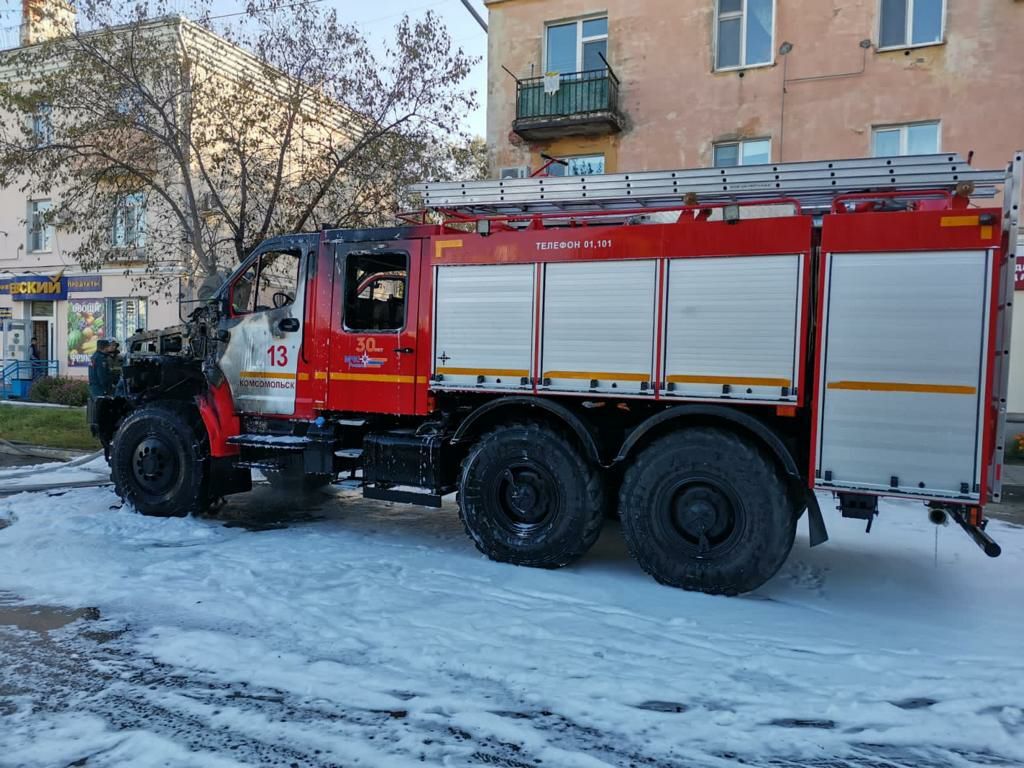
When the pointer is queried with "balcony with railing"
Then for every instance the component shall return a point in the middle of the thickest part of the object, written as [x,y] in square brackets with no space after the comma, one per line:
[583,104]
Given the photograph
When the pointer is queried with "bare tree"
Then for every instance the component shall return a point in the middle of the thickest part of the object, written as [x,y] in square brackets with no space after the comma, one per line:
[227,131]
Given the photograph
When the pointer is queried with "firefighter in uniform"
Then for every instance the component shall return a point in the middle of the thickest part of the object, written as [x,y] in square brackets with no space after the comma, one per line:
[100,377]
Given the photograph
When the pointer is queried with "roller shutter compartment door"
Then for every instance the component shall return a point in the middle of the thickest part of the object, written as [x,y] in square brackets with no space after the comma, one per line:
[903,372]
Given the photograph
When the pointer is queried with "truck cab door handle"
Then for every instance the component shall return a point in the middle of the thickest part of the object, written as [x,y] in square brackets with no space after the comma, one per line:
[404,351]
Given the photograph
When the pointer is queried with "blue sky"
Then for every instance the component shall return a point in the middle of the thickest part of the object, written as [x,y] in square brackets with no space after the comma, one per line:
[377,17]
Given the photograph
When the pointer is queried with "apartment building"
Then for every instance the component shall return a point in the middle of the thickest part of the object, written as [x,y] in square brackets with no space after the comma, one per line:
[622,85]
[45,294]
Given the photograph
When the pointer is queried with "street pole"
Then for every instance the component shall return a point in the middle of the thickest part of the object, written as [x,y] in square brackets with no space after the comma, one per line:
[477,16]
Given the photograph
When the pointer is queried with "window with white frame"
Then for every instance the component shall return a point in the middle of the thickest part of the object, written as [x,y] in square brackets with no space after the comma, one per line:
[744,33]
[747,152]
[576,46]
[580,165]
[40,232]
[124,317]
[903,23]
[42,126]
[909,139]
[129,225]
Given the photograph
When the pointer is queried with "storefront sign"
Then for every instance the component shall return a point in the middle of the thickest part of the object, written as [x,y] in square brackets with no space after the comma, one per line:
[36,287]
[86,284]
[86,326]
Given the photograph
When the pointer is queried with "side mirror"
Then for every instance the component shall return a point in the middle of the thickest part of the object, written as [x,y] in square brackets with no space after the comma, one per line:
[224,336]
[289,324]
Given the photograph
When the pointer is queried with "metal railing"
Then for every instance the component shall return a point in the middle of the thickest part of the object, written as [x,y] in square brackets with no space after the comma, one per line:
[16,376]
[578,94]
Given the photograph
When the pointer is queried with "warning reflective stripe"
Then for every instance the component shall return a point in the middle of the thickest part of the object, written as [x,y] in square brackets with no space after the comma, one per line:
[891,386]
[378,377]
[586,376]
[266,375]
[960,221]
[482,372]
[739,381]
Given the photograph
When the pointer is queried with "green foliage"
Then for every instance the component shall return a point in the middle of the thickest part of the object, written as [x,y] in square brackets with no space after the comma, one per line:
[59,391]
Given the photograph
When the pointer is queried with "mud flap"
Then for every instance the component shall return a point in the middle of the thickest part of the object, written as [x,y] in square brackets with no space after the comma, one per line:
[815,520]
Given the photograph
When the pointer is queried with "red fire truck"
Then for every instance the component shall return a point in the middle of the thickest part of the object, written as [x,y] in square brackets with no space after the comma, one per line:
[698,351]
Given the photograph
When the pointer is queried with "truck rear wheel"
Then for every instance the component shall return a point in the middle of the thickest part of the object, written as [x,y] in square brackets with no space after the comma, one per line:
[527,496]
[705,510]
[158,462]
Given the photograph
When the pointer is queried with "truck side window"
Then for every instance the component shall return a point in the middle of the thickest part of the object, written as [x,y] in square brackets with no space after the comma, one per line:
[375,291]
[269,283]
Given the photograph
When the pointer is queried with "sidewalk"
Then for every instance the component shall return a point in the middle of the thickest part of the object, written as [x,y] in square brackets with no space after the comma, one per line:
[1013,474]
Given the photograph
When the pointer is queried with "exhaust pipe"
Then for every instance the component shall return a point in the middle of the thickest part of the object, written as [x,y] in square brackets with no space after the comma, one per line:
[977,532]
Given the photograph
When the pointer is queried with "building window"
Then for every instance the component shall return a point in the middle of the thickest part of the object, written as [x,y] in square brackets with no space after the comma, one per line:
[904,23]
[576,46]
[42,126]
[910,139]
[125,317]
[749,152]
[581,165]
[744,33]
[40,233]
[129,229]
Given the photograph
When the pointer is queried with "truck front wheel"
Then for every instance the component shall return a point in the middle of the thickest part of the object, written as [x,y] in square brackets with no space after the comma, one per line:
[158,462]
[705,510]
[527,496]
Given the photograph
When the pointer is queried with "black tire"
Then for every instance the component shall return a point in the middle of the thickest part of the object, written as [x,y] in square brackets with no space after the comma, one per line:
[527,496]
[158,461]
[705,510]
[291,481]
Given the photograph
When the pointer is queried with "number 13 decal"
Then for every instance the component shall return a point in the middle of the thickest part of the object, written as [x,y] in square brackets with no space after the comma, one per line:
[278,355]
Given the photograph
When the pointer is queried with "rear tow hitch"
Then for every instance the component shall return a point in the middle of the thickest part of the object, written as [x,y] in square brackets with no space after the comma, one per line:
[974,523]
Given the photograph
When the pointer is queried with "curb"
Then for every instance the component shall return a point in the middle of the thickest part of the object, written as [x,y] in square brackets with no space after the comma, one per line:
[41,451]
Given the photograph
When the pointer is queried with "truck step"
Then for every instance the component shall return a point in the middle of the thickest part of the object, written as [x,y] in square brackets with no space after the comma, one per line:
[402,497]
[261,464]
[273,442]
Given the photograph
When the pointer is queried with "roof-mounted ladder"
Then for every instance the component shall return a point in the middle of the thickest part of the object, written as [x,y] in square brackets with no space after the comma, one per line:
[815,185]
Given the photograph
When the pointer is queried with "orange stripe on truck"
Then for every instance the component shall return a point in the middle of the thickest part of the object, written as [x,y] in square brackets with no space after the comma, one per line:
[894,386]
[267,375]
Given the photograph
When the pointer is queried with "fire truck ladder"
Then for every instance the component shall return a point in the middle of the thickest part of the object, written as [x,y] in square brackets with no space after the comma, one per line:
[815,185]
[1012,193]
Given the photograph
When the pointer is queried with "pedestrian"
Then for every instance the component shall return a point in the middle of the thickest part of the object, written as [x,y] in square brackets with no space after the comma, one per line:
[99,370]
[33,357]
[116,361]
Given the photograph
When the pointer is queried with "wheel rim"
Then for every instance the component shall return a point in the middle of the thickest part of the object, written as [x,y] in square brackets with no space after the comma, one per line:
[155,465]
[701,515]
[525,496]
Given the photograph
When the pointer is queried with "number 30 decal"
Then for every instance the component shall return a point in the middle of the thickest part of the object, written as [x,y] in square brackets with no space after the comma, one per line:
[278,355]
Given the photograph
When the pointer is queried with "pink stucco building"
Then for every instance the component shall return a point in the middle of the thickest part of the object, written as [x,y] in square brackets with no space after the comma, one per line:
[691,82]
